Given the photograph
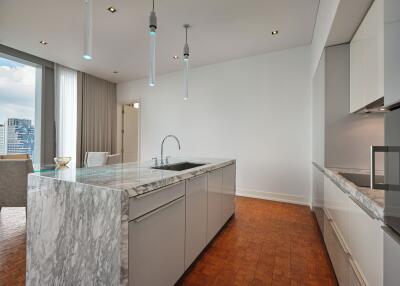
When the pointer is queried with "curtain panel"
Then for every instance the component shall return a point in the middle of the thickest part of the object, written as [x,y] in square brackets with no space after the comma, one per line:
[65,111]
[97,116]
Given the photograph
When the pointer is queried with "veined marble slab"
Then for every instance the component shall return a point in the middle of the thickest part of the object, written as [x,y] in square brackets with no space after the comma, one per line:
[135,178]
[77,219]
[371,200]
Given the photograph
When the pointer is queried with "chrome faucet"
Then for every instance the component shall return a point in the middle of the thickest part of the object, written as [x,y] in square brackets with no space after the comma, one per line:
[162,146]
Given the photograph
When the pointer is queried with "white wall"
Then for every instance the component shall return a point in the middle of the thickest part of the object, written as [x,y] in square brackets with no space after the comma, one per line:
[326,14]
[257,110]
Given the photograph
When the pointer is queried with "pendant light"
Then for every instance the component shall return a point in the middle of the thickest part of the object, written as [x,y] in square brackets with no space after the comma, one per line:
[87,41]
[153,34]
[186,64]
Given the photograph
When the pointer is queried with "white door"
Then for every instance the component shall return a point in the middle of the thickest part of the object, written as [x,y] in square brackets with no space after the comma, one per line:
[130,133]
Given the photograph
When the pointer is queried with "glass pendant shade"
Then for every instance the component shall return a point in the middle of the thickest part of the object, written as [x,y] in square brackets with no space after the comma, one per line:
[152,54]
[186,77]
[152,62]
[87,41]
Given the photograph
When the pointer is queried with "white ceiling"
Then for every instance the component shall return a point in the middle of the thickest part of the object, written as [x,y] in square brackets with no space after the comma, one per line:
[222,30]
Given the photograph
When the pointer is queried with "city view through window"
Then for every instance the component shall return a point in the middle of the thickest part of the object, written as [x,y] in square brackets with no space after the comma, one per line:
[17,107]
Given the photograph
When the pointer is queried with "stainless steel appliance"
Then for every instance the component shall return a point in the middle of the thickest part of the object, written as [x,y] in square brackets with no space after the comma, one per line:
[391,183]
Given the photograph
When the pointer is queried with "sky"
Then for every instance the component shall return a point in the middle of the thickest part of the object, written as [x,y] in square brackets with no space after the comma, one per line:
[17,90]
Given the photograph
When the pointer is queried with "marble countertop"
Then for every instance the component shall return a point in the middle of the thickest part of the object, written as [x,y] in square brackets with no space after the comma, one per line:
[371,200]
[134,178]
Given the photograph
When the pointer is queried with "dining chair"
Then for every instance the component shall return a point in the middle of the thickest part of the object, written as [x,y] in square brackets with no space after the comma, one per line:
[114,159]
[94,159]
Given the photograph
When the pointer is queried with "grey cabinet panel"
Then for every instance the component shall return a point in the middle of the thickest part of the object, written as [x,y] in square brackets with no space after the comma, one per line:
[391,244]
[214,203]
[228,192]
[196,218]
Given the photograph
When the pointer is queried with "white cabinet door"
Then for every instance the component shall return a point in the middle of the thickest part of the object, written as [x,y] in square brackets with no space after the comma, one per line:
[228,191]
[338,210]
[156,246]
[196,218]
[214,203]
[366,244]
[392,52]
[367,60]
[392,258]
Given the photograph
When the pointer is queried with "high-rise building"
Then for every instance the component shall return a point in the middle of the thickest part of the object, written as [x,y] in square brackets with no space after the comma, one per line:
[20,136]
[3,149]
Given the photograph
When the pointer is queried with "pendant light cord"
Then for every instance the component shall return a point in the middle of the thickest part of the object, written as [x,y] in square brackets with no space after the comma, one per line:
[153,5]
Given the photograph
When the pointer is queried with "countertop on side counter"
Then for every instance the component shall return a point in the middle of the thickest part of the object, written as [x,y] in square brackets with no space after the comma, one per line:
[134,178]
[371,200]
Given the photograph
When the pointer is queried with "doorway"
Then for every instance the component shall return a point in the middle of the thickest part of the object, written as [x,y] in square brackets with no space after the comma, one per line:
[130,132]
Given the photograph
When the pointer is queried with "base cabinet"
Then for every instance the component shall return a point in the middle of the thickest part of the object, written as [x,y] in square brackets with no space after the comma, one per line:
[156,240]
[196,218]
[168,229]
[214,203]
[353,238]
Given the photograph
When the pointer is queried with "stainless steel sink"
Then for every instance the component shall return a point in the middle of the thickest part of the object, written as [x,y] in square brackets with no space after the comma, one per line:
[178,166]
[361,180]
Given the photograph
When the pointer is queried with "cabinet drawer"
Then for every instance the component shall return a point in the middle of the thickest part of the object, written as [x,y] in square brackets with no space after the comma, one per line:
[147,202]
[156,246]
[338,210]
[366,244]
[337,254]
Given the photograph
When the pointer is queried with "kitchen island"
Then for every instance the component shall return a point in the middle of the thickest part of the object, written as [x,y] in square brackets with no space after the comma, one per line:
[84,226]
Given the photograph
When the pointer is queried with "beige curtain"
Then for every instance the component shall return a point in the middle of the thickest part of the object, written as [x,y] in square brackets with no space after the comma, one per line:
[97,116]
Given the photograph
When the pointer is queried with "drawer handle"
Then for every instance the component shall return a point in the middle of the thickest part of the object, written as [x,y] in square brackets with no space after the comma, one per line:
[339,238]
[382,149]
[145,216]
[357,272]
[155,191]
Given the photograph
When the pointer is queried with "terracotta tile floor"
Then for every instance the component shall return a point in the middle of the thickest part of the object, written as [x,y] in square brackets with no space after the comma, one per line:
[267,243]
[12,246]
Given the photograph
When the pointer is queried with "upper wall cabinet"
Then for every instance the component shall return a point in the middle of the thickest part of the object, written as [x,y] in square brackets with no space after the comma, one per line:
[367,59]
[392,52]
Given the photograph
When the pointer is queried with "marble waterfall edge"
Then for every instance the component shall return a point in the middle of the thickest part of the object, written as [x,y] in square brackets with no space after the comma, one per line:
[77,234]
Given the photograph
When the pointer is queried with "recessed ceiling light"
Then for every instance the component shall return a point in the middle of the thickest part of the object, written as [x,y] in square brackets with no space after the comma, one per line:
[112,9]
[44,43]
[175,57]
[275,32]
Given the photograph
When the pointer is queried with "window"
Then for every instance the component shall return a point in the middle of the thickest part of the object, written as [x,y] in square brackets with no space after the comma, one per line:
[20,97]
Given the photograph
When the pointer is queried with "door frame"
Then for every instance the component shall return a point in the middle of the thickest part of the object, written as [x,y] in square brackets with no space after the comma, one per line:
[123,105]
